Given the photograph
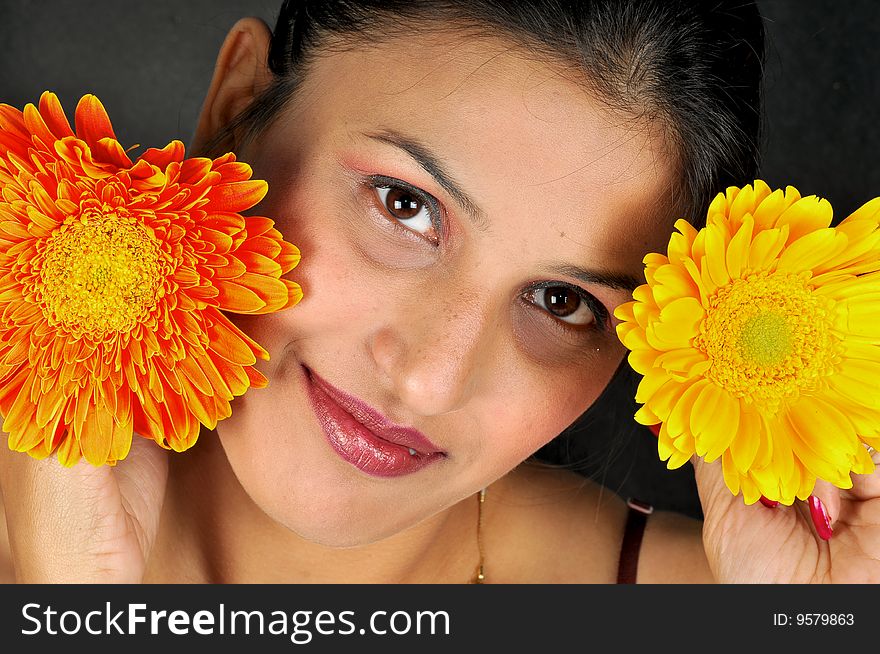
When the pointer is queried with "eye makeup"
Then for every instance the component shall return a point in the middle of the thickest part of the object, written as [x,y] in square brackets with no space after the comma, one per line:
[601,315]
[432,205]
[371,186]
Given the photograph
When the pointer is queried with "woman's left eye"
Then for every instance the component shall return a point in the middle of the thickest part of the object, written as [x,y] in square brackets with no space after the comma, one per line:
[410,207]
[566,304]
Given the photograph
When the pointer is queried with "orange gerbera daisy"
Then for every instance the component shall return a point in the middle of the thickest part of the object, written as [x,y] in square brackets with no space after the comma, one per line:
[759,340]
[113,276]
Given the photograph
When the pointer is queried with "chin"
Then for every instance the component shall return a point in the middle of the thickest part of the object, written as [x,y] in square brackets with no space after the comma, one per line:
[310,492]
[336,527]
[336,517]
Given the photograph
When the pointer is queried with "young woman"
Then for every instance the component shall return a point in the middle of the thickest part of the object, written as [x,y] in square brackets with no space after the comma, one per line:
[473,186]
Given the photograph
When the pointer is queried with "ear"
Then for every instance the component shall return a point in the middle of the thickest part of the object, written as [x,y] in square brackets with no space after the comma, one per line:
[240,74]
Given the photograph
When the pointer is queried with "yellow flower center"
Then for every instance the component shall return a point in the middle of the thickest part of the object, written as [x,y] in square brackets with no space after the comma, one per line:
[100,272]
[768,337]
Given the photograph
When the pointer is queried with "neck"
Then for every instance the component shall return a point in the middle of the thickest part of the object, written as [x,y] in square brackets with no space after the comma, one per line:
[212,532]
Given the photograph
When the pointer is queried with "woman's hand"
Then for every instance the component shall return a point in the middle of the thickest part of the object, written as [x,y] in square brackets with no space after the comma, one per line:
[83,524]
[759,544]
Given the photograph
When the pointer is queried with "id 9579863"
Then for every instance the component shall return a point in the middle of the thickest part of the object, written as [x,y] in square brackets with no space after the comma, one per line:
[813,619]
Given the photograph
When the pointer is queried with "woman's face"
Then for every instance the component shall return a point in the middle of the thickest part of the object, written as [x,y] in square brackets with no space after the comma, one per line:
[468,220]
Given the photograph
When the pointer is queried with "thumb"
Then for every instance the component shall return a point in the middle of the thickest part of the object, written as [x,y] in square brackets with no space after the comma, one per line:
[710,483]
[142,480]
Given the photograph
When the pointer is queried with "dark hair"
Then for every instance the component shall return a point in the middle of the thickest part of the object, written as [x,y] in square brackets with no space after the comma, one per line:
[695,66]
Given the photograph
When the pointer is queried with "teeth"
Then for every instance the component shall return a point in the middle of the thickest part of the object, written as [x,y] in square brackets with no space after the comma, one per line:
[412,452]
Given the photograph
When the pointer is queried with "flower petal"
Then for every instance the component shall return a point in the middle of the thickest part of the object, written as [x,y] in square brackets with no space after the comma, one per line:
[53,115]
[238,196]
[96,437]
[805,216]
[92,121]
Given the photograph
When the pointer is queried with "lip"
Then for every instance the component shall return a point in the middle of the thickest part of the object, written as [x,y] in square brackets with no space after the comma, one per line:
[364,437]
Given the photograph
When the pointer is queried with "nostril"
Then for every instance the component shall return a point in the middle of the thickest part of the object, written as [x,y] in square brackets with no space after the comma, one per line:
[429,360]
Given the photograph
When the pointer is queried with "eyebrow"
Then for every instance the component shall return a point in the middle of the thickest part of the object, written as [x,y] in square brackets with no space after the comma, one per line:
[422,155]
[616,281]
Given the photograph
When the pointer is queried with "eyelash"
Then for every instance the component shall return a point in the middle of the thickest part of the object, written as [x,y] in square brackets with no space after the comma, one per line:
[432,204]
[600,313]
[601,316]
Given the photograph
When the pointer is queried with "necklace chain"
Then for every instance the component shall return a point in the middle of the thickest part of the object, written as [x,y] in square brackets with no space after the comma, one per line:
[479,574]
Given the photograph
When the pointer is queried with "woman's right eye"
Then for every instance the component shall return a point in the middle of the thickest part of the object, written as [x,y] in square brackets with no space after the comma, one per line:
[410,207]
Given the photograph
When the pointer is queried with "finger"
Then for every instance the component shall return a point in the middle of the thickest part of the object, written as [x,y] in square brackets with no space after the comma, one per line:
[713,492]
[46,507]
[142,479]
[824,506]
[866,487]
[829,495]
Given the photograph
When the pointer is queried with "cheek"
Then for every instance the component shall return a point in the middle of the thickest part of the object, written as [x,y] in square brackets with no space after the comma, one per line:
[529,414]
[338,294]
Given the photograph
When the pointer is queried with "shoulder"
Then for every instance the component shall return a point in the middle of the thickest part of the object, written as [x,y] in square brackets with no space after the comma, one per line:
[549,525]
[672,551]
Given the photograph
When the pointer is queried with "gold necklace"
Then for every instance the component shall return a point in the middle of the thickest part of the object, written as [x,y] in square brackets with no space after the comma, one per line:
[479,576]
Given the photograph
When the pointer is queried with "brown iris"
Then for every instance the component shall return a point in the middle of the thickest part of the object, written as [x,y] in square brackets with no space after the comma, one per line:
[561,301]
[402,204]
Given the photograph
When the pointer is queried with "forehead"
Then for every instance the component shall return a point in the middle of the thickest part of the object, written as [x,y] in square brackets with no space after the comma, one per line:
[525,136]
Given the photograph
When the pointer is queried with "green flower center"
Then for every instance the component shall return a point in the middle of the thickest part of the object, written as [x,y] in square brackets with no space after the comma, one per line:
[768,337]
[765,339]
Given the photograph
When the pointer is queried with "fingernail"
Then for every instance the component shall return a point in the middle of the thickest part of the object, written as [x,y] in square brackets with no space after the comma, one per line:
[655,429]
[820,517]
[770,504]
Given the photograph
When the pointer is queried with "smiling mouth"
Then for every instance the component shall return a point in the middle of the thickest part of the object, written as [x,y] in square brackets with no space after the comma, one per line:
[364,437]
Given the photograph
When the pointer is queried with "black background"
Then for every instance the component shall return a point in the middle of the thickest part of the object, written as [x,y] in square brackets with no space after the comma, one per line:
[514,618]
[150,63]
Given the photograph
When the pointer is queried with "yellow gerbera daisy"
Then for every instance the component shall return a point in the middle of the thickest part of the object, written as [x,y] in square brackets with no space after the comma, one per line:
[759,340]
[113,275]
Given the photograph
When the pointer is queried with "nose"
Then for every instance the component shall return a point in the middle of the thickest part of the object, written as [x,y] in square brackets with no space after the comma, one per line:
[433,353]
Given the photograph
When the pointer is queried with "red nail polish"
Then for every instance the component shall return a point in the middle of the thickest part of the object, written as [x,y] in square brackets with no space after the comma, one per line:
[820,517]
[655,429]
[770,504]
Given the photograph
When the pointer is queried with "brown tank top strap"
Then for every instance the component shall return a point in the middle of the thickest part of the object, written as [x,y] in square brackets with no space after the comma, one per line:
[636,519]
